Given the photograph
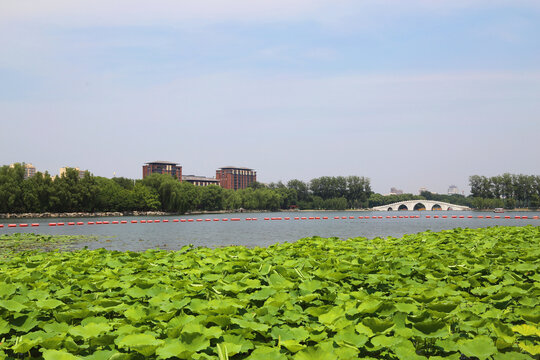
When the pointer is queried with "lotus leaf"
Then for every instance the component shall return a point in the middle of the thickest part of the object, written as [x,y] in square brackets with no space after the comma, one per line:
[103,355]
[288,333]
[369,306]
[378,325]
[266,353]
[527,330]
[49,304]
[462,292]
[531,348]
[431,328]
[349,337]
[292,345]
[145,344]
[330,317]
[7,289]
[58,355]
[263,293]
[310,286]
[12,305]
[316,353]
[251,325]
[90,330]
[406,307]
[481,346]
[511,355]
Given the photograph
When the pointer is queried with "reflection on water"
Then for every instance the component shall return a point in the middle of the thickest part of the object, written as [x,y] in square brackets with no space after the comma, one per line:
[173,235]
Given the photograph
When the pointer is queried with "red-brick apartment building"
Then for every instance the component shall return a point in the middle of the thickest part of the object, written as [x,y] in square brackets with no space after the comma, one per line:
[162,167]
[231,177]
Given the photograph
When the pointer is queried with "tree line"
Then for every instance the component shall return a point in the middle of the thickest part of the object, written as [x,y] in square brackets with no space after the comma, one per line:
[89,193]
[71,193]
[506,190]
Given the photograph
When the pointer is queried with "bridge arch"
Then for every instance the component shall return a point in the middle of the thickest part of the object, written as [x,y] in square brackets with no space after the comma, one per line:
[436,207]
[419,207]
[402,207]
[390,209]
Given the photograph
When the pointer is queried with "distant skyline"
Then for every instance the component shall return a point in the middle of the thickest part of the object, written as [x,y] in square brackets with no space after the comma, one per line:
[410,94]
[461,191]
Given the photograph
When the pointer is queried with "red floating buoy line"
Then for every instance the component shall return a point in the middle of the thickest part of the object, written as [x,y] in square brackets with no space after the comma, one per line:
[297,218]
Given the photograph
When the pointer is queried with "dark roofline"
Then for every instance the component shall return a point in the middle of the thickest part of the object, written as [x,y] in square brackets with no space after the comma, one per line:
[162,162]
[235,167]
[197,177]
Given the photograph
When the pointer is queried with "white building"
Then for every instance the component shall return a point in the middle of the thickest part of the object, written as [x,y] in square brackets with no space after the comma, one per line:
[62,171]
[29,170]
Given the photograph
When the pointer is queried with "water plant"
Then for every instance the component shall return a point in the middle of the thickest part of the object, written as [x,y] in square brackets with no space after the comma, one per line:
[17,242]
[455,294]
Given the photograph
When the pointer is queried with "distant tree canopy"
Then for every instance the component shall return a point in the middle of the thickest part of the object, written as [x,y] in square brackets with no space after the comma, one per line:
[506,190]
[71,193]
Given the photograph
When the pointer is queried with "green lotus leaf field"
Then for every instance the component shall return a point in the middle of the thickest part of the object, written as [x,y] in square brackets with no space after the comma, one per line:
[455,294]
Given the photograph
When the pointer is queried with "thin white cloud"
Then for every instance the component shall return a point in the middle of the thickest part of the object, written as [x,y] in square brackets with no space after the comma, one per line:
[175,12]
[125,12]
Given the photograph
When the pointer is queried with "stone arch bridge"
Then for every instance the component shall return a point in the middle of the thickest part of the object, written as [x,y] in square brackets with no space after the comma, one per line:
[420,205]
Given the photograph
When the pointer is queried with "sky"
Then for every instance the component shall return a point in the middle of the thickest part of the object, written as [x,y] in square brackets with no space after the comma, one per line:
[410,94]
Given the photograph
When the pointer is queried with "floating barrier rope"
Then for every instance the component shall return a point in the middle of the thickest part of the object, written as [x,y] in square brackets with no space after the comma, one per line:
[158,221]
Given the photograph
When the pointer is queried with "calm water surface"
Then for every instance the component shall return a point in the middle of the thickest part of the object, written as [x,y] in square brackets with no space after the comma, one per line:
[174,235]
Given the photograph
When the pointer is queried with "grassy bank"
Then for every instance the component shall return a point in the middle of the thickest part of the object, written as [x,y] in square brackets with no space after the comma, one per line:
[456,294]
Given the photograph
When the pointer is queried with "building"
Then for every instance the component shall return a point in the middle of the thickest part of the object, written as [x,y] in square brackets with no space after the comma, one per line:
[231,177]
[29,170]
[394,191]
[200,180]
[162,167]
[62,171]
[453,190]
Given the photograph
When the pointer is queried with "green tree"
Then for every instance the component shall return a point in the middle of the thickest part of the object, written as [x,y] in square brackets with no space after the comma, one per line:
[335,203]
[188,197]
[211,198]
[318,202]
[256,185]
[67,195]
[248,198]
[301,188]
[231,199]
[11,191]
[125,183]
[111,196]
[144,198]
[288,197]
[358,191]
[42,186]
[376,200]
[166,187]
[475,182]
[507,190]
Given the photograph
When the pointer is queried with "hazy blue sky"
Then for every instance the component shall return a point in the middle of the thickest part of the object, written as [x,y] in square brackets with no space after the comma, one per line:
[408,93]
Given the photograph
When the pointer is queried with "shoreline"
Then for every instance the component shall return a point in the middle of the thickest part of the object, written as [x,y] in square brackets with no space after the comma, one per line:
[48,215]
[163,213]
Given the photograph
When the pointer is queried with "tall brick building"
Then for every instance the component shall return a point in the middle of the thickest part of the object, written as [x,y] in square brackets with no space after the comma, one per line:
[231,177]
[162,167]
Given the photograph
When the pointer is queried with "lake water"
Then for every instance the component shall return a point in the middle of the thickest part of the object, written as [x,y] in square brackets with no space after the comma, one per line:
[173,235]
